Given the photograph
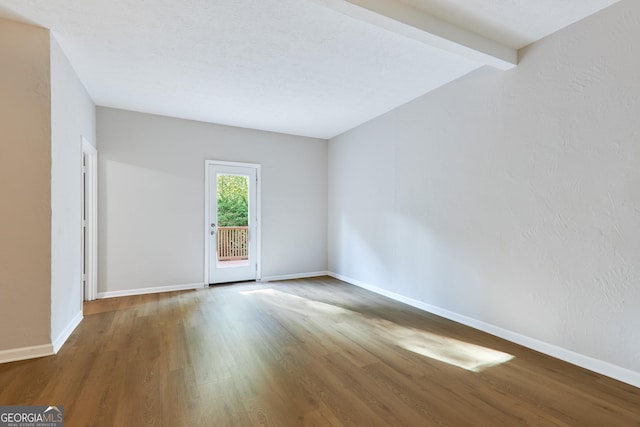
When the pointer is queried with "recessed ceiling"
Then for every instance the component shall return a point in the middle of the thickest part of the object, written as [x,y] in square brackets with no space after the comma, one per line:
[304,67]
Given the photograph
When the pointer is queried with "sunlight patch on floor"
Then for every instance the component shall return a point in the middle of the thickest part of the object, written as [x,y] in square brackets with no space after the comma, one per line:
[298,304]
[471,357]
[462,354]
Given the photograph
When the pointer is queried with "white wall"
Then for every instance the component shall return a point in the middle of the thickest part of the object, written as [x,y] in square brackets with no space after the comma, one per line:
[25,171]
[72,116]
[512,198]
[151,204]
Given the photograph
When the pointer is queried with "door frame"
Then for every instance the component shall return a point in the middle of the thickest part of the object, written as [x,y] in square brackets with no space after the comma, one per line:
[89,162]
[207,219]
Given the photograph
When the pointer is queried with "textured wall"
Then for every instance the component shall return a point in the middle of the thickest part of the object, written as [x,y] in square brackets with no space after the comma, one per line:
[25,183]
[151,203]
[510,197]
[72,115]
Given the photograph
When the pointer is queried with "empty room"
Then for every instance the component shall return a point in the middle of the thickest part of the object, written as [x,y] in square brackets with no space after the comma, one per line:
[320,213]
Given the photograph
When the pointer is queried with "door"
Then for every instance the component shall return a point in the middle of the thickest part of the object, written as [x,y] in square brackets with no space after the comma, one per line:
[232,226]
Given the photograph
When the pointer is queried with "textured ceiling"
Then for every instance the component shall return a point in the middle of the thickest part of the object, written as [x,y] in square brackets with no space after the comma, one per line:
[292,66]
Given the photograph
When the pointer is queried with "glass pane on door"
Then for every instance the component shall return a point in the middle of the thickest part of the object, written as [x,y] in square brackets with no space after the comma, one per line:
[233,220]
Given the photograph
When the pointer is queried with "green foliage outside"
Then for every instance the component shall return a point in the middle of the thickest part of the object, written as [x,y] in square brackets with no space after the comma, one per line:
[232,201]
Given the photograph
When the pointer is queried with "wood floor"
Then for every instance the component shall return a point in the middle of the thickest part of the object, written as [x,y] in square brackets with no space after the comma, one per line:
[313,352]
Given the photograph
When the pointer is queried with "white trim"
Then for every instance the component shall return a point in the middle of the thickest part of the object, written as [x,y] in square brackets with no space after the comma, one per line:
[91,291]
[207,221]
[233,164]
[66,333]
[294,276]
[154,290]
[605,368]
[207,190]
[24,353]
[259,222]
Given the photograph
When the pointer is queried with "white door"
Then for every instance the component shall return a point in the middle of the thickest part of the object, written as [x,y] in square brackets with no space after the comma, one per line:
[232,228]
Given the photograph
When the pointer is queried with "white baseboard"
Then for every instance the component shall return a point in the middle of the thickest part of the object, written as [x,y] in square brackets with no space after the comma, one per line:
[64,335]
[294,276]
[605,368]
[154,290]
[24,353]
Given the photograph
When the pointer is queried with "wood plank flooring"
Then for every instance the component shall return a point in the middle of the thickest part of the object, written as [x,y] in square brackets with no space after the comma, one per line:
[313,352]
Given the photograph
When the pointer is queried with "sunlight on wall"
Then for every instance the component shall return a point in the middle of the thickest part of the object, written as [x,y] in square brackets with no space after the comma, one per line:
[454,352]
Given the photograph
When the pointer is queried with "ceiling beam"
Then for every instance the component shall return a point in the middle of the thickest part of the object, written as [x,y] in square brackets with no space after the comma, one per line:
[408,21]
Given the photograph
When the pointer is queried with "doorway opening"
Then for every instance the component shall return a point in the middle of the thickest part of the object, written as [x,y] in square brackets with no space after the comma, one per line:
[89,248]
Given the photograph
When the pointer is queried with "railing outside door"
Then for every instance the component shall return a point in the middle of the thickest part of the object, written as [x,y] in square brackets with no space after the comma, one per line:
[233,243]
